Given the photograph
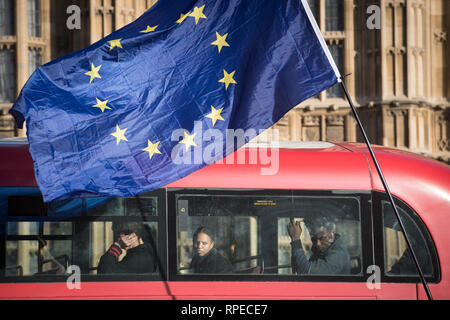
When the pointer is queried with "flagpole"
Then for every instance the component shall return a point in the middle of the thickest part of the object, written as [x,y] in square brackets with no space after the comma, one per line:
[372,154]
[154,246]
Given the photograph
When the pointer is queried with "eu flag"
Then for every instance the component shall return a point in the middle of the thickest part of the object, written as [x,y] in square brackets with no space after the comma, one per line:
[128,113]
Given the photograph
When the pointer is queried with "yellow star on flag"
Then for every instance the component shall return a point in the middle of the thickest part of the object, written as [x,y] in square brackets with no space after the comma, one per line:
[215,115]
[115,43]
[228,78]
[188,140]
[152,148]
[198,13]
[94,72]
[149,29]
[119,134]
[183,17]
[101,105]
[220,42]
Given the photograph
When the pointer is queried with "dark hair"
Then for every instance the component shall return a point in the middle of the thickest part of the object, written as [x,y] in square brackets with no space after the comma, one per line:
[323,221]
[127,228]
[205,230]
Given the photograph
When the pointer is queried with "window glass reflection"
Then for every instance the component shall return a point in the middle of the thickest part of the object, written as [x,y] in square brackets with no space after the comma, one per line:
[398,260]
[252,234]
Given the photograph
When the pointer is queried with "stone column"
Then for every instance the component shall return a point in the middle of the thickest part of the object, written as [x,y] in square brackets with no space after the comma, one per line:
[21,49]
[383,51]
[349,53]
[410,46]
[293,122]
[119,20]
[447,53]
[93,30]
[46,30]
[22,43]
[322,26]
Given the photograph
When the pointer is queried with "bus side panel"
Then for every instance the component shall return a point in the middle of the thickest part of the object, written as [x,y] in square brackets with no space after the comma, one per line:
[208,290]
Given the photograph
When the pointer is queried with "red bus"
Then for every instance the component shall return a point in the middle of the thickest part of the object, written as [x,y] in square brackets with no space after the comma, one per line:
[52,250]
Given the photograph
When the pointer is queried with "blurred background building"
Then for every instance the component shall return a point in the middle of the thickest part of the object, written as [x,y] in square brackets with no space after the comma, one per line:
[398,74]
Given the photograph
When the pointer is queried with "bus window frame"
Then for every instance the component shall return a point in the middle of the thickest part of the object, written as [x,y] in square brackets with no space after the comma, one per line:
[378,198]
[366,236]
[161,243]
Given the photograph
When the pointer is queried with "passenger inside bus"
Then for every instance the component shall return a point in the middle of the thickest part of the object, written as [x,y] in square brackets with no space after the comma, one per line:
[329,254]
[206,258]
[403,264]
[129,241]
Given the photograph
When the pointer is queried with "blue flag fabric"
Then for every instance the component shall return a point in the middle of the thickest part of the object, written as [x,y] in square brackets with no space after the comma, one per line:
[116,117]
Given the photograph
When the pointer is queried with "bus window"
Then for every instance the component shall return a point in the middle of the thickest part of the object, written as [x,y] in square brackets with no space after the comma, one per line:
[330,241]
[250,231]
[46,255]
[21,258]
[103,236]
[230,230]
[397,258]
[57,228]
[45,239]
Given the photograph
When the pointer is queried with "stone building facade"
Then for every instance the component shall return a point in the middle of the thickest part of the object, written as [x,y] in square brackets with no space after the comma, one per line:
[397,73]
[398,76]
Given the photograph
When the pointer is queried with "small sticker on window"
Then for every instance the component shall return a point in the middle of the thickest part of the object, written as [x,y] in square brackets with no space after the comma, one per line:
[183,212]
[264,203]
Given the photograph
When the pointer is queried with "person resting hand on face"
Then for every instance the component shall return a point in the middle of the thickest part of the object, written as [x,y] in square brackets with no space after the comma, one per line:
[138,258]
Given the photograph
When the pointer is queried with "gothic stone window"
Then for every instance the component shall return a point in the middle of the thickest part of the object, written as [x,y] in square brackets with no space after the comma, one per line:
[334,15]
[6,17]
[337,51]
[7,74]
[34,18]
[314,6]
[34,59]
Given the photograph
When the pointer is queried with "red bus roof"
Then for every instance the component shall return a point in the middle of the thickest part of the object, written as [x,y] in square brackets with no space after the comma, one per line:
[16,165]
[297,166]
[312,166]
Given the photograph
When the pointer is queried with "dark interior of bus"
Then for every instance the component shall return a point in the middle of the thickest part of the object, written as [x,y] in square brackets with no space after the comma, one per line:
[42,240]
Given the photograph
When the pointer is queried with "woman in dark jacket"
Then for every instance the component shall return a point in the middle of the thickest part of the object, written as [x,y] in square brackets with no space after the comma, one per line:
[206,258]
[139,256]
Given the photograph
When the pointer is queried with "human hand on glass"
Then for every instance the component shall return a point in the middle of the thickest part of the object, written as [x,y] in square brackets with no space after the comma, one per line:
[294,229]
